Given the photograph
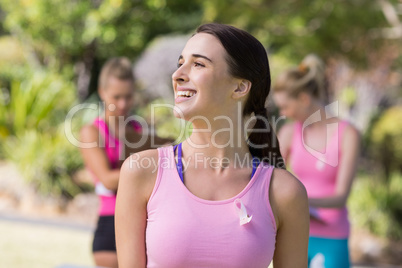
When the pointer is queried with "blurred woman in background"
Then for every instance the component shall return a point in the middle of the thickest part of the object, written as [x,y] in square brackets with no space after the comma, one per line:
[115,137]
[322,151]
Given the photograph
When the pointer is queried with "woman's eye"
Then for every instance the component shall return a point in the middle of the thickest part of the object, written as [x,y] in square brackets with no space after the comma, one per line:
[196,64]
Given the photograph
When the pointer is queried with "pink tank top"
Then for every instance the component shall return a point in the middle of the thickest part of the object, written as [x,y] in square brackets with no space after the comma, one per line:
[184,230]
[112,147]
[319,178]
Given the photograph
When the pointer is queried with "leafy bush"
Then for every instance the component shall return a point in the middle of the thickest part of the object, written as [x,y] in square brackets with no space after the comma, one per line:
[47,161]
[12,59]
[377,206]
[386,140]
[40,101]
[32,133]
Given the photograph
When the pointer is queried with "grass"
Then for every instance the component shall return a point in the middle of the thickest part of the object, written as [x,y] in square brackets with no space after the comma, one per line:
[39,246]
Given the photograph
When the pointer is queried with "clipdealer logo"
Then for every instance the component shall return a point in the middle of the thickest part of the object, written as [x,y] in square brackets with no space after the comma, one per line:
[328,157]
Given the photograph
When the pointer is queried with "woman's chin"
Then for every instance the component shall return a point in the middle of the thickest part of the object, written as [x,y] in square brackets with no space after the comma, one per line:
[184,113]
[179,114]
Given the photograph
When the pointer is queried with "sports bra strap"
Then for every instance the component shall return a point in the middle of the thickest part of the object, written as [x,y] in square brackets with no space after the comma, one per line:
[179,163]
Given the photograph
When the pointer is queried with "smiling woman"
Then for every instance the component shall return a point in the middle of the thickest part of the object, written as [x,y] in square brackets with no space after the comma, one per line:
[201,208]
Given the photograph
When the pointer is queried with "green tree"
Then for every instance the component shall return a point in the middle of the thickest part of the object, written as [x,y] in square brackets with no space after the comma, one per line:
[351,29]
[83,34]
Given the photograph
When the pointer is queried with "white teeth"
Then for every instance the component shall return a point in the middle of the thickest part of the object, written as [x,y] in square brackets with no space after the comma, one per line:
[186,93]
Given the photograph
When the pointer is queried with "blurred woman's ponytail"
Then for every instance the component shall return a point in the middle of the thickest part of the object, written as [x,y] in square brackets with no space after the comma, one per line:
[308,77]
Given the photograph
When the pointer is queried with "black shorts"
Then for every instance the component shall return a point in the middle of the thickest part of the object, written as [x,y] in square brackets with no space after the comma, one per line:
[104,238]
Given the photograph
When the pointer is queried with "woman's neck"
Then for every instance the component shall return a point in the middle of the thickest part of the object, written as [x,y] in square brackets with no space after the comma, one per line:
[223,138]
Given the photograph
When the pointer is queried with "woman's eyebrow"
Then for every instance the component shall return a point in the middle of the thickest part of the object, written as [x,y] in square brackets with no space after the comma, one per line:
[198,56]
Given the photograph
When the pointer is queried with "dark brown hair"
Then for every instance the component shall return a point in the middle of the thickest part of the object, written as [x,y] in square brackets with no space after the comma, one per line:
[248,59]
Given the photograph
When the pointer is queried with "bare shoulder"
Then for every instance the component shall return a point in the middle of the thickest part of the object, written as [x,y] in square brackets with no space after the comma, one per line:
[351,133]
[287,194]
[351,139]
[89,133]
[141,163]
[139,172]
[285,187]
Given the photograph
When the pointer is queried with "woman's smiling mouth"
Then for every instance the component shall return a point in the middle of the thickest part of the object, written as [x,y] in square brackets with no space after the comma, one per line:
[183,95]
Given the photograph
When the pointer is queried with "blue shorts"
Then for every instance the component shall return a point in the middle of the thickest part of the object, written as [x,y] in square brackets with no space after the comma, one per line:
[328,253]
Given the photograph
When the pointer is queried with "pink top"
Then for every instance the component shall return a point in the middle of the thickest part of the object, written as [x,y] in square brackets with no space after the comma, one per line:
[184,230]
[113,148]
[318,174]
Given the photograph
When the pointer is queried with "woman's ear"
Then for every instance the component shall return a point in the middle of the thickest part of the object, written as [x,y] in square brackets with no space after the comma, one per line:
[243,88]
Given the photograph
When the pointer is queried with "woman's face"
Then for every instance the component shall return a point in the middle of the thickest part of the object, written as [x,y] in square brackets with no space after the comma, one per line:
[202,83]
[118,96]
[289,106]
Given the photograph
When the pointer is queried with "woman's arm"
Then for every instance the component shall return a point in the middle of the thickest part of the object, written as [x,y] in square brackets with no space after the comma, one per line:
[95,158]
[135,187]
[289,202]
[346,171]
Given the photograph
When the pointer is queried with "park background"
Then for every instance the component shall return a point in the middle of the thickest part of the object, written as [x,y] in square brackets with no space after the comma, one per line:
[51,52]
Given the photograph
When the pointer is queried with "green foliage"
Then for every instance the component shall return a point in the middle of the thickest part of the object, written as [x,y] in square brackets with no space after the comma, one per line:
[47,161]
[385,140]
[63,32]
[160,115]
[12,59]
[297,28]
[376,206]
[31,131]
[348,96]
[77,37]
[278,64]
[38,102]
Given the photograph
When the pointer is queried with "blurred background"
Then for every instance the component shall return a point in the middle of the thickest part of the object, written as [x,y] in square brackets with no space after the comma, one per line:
[51,52]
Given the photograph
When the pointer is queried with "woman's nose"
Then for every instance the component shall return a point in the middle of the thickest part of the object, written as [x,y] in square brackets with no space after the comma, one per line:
[122,104]
[180,75]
